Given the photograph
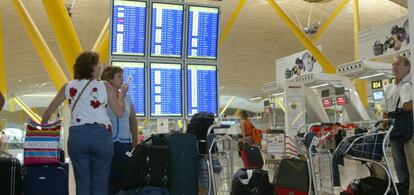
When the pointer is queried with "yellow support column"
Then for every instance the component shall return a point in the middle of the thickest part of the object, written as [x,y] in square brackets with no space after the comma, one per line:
[52,67]
[65,33]
[227,105]
[230,23]
[102,44]
[306,42]
[360,85]
[329,20]
[28,111]
[3,81]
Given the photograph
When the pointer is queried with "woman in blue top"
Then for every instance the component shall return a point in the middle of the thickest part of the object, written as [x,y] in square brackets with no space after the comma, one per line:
[124,129]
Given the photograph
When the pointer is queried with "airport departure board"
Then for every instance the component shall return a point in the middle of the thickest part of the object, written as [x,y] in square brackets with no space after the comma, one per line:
[165,90]
[167,30]
[137,84]
[202,33]
[201,89]
[128,28]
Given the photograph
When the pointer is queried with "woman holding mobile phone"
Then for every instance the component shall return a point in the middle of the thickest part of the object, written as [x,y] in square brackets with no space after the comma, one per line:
[125,129]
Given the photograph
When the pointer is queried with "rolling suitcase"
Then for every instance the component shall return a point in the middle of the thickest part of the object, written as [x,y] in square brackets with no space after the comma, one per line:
[184,164]
[46,179]
[10,175]
[252,157]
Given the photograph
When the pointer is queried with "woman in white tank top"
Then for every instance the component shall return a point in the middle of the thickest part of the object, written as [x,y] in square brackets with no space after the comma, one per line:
[90,145]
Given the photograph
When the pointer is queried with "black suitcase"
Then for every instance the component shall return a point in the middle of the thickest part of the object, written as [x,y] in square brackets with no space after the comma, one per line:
[46,179]
[148,166]
[10,175]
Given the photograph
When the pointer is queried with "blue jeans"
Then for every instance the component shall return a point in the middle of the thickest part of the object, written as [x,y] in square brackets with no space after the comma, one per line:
[400,162]
[90,149]
[119,163]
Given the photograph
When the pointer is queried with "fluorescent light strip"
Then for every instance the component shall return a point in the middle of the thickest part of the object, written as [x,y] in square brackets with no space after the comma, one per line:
[317,86]
[277,94]
[370,76]
[39,95]
[256,98]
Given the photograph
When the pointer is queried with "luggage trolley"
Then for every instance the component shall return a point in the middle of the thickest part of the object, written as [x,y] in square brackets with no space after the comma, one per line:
[372,147]
[320,165]
[219,161]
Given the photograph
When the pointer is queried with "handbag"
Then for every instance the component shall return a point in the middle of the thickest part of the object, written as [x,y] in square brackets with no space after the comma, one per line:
[402,130]
[42,147]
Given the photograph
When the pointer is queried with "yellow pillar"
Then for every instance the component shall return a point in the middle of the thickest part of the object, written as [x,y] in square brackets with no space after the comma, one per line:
[3,81]
[12,107]
[28,111]
[360,85]
[227,105]
[53,69]
[102,44]
[329,20]
[230,23]
[306,42]
[65,33]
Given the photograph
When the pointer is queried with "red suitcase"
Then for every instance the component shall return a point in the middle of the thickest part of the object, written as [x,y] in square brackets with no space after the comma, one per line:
[286,191]
[252,157]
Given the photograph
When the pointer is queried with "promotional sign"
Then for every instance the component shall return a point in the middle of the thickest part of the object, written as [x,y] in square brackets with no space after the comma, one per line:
[384,40]
[297,64]
[295,107]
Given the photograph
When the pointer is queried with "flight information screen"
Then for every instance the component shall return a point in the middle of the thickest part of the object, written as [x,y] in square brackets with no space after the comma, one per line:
[201,89]
[128,28]
[167,30]
[137,84]
[202,32]
[166,90]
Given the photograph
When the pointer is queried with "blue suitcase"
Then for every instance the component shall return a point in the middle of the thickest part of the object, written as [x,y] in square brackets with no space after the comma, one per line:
[184,165]
[145,191]
[46,179]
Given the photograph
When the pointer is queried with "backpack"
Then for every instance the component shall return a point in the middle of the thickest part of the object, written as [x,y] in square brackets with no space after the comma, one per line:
[198,126]
[251,182]
[366,186]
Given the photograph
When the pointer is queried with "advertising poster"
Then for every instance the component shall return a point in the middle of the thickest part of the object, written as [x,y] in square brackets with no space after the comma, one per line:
[384,40]
[297,64]
[295,107]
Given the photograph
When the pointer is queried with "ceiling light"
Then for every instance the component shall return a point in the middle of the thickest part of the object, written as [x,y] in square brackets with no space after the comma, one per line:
[39,95]
[370,76]
[277,94]
[317,86]
[256,98]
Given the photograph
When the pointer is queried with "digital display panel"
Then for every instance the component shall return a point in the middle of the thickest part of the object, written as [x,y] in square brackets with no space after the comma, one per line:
[376,84]
[128,27]
[167,30]
[202,36]
[202,89]
[137,84]
[165,90]
[378,95]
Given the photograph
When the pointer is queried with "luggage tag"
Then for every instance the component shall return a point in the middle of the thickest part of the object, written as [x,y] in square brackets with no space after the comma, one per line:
[129,153]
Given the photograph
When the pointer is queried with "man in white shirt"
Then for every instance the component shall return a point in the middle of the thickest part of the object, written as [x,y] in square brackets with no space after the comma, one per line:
[400,93]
